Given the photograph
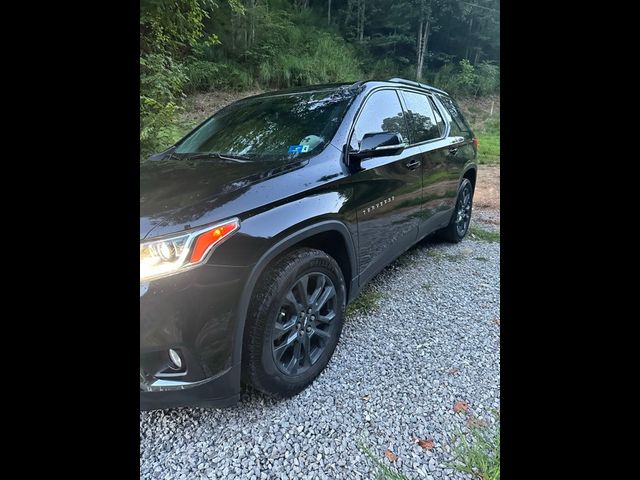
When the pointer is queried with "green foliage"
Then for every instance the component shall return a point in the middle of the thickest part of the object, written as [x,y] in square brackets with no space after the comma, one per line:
[298,52]
[161,81]
[204,76]
[382,470]
[318,58]
[489,149]
[489,141]
[479,454]
[465,79]
[488,78]
[191,46]
[170,26]
[365,303]
[482,234]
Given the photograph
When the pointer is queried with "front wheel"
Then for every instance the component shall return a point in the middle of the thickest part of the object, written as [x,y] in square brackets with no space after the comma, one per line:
[461,218]
[294,321]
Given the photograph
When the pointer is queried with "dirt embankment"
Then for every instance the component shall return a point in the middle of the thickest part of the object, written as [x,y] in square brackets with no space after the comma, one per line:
[486,201]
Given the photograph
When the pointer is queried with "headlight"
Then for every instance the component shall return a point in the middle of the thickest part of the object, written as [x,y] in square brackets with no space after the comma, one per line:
[170,255]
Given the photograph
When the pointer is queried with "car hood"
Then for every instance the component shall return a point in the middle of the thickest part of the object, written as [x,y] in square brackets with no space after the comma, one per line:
[185,193]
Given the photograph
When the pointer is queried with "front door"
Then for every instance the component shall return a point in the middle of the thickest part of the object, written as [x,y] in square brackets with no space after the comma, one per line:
[388,189]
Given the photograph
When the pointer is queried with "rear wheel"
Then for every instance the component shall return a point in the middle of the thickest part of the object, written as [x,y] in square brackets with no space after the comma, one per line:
[294,321]
[461,218]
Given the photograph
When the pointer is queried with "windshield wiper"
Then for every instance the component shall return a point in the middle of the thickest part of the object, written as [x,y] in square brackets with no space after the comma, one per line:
[223,156]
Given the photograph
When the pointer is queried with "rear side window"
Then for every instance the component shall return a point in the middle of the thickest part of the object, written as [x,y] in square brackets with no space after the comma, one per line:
[421,117]
[459,126]
[381,113]
[439,119]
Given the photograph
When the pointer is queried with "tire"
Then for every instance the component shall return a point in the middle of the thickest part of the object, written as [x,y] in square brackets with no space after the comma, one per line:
[461,218]
[276,323]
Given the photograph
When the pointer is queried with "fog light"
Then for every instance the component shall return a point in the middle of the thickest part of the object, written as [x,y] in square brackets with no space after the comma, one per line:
[175,358]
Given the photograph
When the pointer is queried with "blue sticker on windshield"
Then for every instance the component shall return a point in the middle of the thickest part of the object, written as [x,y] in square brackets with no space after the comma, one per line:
[298,148]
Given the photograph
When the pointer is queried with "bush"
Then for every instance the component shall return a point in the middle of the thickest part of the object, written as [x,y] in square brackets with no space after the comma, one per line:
[203,76]
[161,83]
[488,80]
[297,52]
[465,79]
[323,60]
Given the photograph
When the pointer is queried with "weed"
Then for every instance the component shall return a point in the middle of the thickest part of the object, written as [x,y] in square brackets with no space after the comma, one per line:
[439,255]
[479,455]
[383,472]
[482,234]
[405,260]
[367,302]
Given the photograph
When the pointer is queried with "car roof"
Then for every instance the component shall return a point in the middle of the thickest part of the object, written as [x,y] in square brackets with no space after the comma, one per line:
[394,82]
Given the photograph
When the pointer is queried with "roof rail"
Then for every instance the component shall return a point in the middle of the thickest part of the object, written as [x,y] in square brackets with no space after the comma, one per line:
[416,84]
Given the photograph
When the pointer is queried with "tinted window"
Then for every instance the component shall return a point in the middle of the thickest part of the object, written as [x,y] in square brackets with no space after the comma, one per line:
[280,126]
[421,117]
[459,125]
[439,119]
[381,113]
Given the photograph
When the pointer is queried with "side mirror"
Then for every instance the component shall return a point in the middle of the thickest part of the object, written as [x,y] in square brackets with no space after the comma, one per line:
[379,144]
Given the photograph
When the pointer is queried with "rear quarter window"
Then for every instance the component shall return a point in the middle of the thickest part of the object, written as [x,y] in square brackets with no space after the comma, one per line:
[459,126]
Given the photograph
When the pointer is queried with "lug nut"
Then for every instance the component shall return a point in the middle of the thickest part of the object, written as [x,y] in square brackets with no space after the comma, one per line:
[313,317]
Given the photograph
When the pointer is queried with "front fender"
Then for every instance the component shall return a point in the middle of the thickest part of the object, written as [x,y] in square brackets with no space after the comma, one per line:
[283,244]
[269,232]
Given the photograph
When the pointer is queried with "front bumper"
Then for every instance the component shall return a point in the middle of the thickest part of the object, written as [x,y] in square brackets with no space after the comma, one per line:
[218,392]
[196,314]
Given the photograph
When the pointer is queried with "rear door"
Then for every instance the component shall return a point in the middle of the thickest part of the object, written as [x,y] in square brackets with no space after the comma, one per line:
[428,131]
[388,189]
[460,138]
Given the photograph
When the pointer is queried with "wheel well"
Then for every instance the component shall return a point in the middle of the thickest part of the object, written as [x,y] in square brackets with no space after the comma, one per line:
[332,243]
[471,176]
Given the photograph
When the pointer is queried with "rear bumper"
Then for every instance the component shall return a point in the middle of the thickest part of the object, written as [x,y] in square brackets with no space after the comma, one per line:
[218,392]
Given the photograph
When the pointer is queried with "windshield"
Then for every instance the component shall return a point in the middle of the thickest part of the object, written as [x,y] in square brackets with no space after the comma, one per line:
[279,126]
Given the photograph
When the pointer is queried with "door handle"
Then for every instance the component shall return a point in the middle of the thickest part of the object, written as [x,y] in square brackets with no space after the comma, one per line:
[413,164]
[453,150]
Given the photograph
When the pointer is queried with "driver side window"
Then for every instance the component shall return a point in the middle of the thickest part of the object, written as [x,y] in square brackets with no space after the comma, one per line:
[381,113]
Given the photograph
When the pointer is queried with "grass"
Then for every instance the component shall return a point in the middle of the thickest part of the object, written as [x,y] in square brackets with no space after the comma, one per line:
[367,302]
[487,129]
[427,286]
[452,257]
[383,471]
[479,456]
[489,149]
[476,452]
[405,260]
[489,142]
[486,235]
[481,259]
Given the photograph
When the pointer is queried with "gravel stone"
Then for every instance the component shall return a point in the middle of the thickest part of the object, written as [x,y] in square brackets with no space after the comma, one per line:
[437,312]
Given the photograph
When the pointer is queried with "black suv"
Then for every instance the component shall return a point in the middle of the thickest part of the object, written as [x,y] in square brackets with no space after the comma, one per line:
[259,226]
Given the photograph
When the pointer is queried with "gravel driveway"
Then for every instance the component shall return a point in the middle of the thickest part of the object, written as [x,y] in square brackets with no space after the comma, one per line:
[397,372]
